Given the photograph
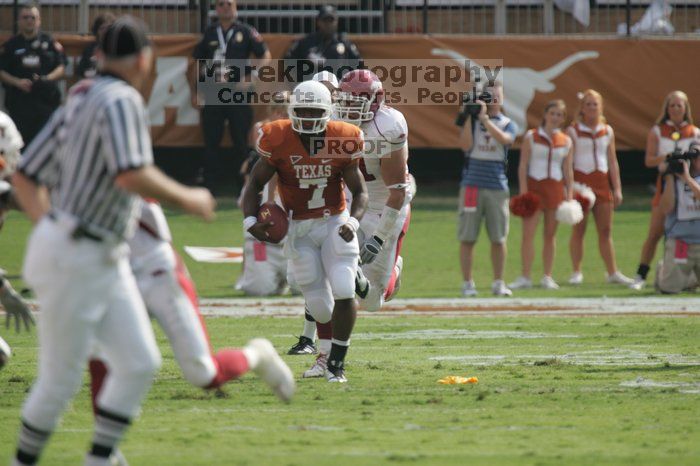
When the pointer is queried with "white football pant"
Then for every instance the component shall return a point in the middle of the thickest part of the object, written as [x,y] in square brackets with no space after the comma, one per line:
[322,264]
[87,293]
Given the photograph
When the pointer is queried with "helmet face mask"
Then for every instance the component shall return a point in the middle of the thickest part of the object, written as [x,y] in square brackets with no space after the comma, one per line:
[354,109]
[310,108]
[309,119]
[361,95]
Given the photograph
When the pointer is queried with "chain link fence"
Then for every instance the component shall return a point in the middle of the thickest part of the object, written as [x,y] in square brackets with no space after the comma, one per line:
[679,18]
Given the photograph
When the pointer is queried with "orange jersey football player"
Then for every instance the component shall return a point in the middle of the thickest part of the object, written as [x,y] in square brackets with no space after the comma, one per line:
[314,159]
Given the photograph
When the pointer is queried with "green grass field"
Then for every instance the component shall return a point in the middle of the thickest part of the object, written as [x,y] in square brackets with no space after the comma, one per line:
[547,395]
[552,390]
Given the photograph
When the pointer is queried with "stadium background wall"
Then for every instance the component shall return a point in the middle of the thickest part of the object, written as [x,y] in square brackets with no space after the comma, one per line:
[633,75]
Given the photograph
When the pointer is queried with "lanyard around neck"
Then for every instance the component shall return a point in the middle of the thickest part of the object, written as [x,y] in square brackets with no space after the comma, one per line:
[223,44]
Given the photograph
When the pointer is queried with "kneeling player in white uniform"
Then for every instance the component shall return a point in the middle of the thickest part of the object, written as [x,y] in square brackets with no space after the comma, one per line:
[171,298]
[264,264]
[385,170]
[15,307]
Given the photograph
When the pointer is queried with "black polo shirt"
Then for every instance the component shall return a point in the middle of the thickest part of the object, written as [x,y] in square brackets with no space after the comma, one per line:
[243,41]
[24,58]
[314,45]
[318,49]
[87,66]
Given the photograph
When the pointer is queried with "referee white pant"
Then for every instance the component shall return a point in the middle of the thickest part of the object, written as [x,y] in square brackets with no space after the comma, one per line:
[87,293]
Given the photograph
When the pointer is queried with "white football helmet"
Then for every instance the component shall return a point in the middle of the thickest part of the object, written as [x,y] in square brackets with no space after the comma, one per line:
[310,95]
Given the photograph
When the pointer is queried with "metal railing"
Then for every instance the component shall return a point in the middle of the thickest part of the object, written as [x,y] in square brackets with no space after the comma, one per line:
[602,17]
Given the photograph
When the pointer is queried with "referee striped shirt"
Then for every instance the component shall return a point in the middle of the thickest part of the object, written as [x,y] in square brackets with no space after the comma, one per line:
[100,132]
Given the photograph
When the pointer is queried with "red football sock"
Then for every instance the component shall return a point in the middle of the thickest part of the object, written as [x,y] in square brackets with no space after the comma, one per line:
[98,373]
[230,364]
[390,287]
[324,331]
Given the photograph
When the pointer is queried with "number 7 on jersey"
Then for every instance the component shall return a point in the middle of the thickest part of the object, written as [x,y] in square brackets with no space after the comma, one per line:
[319,186]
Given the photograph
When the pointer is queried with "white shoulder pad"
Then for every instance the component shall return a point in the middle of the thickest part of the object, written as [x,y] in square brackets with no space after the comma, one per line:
[391,124]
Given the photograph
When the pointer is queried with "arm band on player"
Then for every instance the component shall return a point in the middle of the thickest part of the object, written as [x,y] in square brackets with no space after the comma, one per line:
[398,186]
[354,223]
[387,223]
[248,222]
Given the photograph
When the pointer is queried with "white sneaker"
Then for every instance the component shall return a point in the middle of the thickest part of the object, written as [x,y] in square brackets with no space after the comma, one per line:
[499,288]
[620,279]
[548,283]
[272,369]
[336,378]
[117,458]
[520,283]
[638,283]
[576,278]
[319,367]
[469,289]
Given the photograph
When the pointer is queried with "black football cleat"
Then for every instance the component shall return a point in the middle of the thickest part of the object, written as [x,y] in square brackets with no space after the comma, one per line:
[303,346]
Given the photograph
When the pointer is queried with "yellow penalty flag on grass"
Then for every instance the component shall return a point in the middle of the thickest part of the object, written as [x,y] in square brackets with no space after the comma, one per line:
[456,380]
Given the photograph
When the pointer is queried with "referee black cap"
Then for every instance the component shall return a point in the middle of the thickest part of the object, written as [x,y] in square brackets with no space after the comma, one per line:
[126,36]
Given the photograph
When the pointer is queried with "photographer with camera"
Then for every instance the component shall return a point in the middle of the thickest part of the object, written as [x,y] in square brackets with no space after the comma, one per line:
[673,130]
[485,138]
[680,202]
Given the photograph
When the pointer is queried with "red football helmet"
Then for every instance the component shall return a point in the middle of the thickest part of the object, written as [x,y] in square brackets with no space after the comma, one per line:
[361,95]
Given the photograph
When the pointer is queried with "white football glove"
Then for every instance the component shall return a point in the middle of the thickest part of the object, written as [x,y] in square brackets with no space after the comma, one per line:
[370,249]
[15,306]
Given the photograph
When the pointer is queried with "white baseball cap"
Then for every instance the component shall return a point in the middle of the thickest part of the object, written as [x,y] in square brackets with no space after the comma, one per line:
[326,76]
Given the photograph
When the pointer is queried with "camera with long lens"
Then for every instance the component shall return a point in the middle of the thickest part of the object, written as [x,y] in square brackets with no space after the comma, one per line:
[674,160]
[470,106]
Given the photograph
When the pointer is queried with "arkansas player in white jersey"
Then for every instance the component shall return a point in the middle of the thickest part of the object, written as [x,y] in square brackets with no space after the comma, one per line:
[171,298]
[385,169]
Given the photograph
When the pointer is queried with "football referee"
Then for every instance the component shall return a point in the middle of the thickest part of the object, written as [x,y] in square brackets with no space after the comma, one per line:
[95,158]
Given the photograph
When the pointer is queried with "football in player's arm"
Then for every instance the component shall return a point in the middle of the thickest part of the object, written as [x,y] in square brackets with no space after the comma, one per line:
[263,173]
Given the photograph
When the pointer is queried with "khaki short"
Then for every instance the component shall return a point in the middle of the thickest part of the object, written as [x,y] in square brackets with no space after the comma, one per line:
[492,204]
[672,277]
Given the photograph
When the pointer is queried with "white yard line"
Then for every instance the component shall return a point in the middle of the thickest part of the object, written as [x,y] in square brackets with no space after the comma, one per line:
[484,307]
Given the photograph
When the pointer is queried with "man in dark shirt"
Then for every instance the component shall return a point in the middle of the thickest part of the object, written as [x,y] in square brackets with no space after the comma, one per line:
[227,39]
[31,63]
[325,44]
[87,67]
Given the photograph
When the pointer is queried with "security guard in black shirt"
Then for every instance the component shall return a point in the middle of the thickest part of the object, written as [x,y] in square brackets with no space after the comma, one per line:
[227,39]
[325,44]
[31,63]
[87,66]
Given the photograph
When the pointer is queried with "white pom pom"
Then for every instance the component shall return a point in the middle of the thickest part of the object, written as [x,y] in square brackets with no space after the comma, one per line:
[586,192]
[569,213]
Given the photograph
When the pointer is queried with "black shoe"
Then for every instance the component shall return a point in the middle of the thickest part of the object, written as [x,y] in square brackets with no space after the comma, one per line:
[303,346]
[361,284]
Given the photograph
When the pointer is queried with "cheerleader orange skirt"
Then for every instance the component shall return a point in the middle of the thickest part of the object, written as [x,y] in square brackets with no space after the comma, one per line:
[550,191]
[599,182]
